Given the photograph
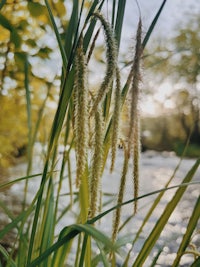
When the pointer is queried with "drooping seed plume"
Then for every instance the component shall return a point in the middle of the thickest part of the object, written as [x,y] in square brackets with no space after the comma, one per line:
[110,61]
[116,119]
[117,214]
[81,112]
[96,171]
[134,135]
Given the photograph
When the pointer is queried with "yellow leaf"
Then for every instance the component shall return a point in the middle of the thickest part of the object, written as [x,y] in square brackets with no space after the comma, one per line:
[60,8]
[5,34]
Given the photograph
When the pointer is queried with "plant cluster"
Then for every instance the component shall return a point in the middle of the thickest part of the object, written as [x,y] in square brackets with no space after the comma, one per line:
[87,122]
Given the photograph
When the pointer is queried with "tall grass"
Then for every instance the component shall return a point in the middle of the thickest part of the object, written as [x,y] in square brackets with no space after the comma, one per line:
[87,122]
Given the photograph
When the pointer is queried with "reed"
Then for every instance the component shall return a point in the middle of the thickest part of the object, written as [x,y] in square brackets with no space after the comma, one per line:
[87,123]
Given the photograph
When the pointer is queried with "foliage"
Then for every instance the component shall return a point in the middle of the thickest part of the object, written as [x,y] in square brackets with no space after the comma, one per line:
[86,122]
[177,63]
[192,151]
[13,121]
[22,50]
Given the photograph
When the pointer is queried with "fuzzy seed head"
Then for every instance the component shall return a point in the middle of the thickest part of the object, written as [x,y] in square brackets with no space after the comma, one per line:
[97,163]
[81,112]
[111,56]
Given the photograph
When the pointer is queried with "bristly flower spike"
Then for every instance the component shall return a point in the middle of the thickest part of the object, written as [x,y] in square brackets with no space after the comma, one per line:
[111,59]
[96,171]
[134,135]
[116,119]
[81,112]
[117,214]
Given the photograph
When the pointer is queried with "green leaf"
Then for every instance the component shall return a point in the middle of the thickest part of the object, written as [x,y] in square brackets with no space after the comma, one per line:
[20,59]
[101,215]
[196,263]
[187,236]
[5,255]
[8,184]
[47,226]
[2,3]
[90,30]
[119,20]
[71,29]
[36,9]
[69,233]
[155,233]
[55,28]
[6,23]
[14,36]
[152,26]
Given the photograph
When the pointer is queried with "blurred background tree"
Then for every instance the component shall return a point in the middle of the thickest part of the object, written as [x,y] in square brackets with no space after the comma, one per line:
[178,63]
[26,44]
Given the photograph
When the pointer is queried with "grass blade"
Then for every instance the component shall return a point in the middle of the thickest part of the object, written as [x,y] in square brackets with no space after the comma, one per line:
[29,124]
[91,27]
[37,213]
[187,236]
[150,30]
[3,2]
[196,263]
[61,48]
[152,208]
[119,20]
[154,235]
[68,234]
[6,256]
[72,29]
[101,215]
[3,186]
[47,226]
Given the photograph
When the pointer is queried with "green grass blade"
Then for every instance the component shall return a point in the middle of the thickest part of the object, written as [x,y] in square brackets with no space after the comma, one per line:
[6,23]
[47,226]
[6,256]
[8,184]
[196,263]
[61,253]
[153,264]
[61,48]
[68,234]
[119,20]
[6,210]
[28,98]
[101,257]
[187,236]
[22,216]
[64,99]
[72,29]
[12,225]
[113,13]
[101,215]
[37,213]
[83,251]
[3,2]
[40,115]
[150,30]
[29,124]
[90,30]
[154,235]
[152,208]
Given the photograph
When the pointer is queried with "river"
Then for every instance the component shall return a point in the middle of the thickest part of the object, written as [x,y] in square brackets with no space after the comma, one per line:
[156,169]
